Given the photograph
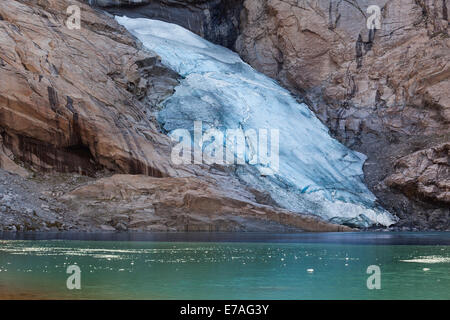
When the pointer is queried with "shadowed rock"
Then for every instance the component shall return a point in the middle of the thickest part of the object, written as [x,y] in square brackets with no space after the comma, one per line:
[384,93]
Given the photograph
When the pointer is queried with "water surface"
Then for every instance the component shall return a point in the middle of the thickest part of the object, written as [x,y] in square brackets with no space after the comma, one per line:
[226,266]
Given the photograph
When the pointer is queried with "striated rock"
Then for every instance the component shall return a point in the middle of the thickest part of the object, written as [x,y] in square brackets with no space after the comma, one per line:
[215,20]
[69,99]
[81,102]
[424,174]
[128,202]
[385,92]
[7,163]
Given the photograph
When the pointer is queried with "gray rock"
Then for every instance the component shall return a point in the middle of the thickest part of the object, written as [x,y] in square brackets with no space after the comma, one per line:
[216,20]
[121,227]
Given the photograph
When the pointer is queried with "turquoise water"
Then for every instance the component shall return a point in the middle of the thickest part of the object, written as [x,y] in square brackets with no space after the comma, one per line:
[328,266]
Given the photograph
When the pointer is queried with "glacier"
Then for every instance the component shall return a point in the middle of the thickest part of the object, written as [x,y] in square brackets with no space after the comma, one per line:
[317,174]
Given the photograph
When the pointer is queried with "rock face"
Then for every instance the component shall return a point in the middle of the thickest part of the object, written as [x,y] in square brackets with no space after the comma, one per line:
[30,204]
[384,92]
[80,101]
[215,20]
[65,93]
[68,102]
[127,202]
[424,174]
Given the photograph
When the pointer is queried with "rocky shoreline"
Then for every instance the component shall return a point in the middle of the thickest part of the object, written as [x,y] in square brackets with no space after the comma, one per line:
[135,203]
[76,203]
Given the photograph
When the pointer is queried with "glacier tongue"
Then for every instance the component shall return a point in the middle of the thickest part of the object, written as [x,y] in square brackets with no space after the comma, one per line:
[316,175]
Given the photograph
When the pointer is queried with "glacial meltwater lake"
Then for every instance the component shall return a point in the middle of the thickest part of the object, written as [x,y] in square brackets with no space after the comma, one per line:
[226,265]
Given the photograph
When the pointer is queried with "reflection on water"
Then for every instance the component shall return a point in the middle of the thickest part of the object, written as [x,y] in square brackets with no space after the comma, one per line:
[291,267]
[377,238]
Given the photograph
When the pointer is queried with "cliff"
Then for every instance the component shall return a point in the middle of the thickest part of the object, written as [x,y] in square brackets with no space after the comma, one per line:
[76,112]
[383,92]
[81,102]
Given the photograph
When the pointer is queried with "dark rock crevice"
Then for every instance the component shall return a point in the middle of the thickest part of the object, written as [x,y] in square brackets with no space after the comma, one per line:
[48,158]
[444,10]
[215,20]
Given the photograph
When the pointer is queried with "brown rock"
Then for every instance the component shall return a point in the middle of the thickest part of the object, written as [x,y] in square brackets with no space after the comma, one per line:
[82,101]
[215,20]
[424,174]
[69,99]
[180,204]
[8,164]
[384,93]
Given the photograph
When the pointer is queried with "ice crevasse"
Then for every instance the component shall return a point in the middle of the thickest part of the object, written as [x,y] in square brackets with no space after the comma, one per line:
[316,174]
